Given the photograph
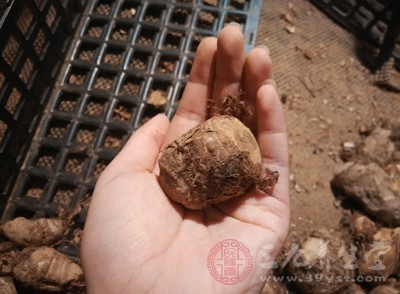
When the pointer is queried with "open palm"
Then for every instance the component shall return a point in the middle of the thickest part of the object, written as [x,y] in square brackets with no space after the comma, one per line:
[136,240]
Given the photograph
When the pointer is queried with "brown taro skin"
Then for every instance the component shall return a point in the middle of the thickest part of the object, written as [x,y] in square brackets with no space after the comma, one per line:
[213,162]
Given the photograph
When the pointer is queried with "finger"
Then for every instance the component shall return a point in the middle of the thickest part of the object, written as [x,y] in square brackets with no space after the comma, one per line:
[192,109]
[272,137]
[141,151]
[229,63]
[257,69]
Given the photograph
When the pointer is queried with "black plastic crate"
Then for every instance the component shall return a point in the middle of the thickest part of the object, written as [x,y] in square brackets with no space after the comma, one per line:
[35,37]
[127,61]
[376,21]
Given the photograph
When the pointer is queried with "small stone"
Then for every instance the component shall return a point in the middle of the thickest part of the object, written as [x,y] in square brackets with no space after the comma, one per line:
[292,9]
[369,185]
[349,145]
[157,98]
[286,16]
[211,2]
[308,54]
[348,151]
[72,79]
[297,188]
[291,29]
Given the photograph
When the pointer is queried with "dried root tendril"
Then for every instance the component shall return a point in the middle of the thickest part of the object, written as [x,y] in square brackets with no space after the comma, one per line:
[267,180]
[232,105]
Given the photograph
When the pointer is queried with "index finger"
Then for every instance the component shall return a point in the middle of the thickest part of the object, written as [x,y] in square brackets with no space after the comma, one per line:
[229,64]
[192,109]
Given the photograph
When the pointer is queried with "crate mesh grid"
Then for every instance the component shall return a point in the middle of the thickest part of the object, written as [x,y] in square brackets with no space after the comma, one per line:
[368,19]
[23,56]
[127,61]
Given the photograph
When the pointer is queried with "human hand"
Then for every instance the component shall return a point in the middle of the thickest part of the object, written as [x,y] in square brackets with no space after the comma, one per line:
[136,240]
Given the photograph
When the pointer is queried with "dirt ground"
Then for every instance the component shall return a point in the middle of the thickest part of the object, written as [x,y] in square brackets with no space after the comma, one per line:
[329,98]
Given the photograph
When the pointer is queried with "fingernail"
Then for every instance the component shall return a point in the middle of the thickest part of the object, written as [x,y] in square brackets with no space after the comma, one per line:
[263,47]
[269,82]
[234,24]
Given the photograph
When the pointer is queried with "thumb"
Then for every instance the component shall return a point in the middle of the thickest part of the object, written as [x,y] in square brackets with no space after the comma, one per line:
[141,151]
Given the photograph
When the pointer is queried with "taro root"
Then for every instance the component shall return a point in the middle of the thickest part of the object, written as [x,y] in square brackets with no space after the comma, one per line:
[384,289]
[8,254]
[324,257]
[43,231]
[370,186]
[46,269]
[380,257]
[213,162]
[7,260]
[362,227]
[354,289]
[7,286]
